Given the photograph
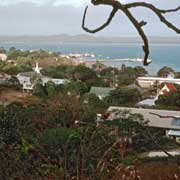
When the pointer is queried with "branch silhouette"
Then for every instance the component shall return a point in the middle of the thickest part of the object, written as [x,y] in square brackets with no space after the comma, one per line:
[125,8]
[161,116]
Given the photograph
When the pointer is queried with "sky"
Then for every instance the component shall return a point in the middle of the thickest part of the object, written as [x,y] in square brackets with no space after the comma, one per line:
[53,17]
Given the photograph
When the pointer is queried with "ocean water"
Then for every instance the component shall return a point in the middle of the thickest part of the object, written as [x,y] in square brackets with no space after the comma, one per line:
[161,54]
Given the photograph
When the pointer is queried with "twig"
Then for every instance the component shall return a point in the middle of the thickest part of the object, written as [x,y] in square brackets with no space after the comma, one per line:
[116,5]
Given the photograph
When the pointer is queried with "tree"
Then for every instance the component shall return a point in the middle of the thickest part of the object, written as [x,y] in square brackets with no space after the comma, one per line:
[98,67]
[14,124]
[127,76]
[170,100]
[62,71]
[123,96]
[61,145]
[39,90]
[165,71]
[13,82]
[12,49]
[76,87]
[84,74]
[2,50]
[109,71]
[140,71]
[69,108]
[125,8]
[97,104]
[50,88]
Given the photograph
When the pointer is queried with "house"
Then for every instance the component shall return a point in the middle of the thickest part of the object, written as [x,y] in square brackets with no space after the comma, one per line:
[146,103]
[147,82]
[167,88]
[3,57]
[138,88]
[29,79]
[101,92]
[4,77]
[169,121]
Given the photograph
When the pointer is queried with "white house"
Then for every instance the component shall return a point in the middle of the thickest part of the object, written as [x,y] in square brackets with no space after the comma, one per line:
[27,79]
[167,88]
[169,121]
[147,82]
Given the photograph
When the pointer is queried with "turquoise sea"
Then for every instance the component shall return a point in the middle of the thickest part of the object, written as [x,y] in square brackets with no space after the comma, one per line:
[161,54]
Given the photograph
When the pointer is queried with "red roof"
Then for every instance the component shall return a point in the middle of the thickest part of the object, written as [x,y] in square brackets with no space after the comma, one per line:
[171,87]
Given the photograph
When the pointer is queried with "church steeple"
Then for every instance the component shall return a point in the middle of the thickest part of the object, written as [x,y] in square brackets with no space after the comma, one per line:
[37,70]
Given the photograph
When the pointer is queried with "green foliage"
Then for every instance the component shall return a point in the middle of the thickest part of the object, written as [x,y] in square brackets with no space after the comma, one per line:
[109,71]
[15,69]
[165,71]
[14,123]
[59,137]
[123,96]
[13,82]
[125,76]
[50,89]
[71,108]
[2,50]
[140,71]
[77,87]
[96,103]
[55,141]
[171,99]
[84,74]
[34,146]
[60,72]
[39,90]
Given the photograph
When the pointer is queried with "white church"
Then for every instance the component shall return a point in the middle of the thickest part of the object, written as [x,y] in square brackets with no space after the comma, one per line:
[27,81]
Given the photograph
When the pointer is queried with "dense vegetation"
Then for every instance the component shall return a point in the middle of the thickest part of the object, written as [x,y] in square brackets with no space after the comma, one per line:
[58,135]
[60,139]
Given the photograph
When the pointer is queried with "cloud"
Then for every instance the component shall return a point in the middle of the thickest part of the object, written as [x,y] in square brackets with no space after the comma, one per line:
[44,17]
[45,2]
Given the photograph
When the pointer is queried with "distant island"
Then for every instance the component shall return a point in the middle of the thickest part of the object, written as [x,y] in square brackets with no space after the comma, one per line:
[83,38]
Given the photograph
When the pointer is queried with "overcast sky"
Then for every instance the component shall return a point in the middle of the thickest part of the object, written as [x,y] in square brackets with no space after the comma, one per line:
[49,17]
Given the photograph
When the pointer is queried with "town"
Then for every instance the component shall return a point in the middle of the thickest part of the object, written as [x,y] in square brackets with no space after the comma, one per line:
[49,97]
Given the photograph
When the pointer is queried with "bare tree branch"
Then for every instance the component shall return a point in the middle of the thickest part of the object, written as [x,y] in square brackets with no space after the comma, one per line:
[116,5]
[138,26]
[150,6]
[158,12]
[160,116]
[112,14]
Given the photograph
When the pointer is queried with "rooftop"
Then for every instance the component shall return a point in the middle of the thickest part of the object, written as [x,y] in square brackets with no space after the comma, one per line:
[157,79]
[154,120]
[30,74]
[147,102]
[98,91]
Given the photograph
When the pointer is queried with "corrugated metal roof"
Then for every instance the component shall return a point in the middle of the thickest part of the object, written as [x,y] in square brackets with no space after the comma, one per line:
[147,102]
[154,121]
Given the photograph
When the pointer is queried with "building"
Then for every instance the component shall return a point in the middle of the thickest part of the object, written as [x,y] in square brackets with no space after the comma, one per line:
[4,77]
[167,88]
[147,82]
[101,92]
[169,121]
[146,103]
[29,79]
[3,57]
